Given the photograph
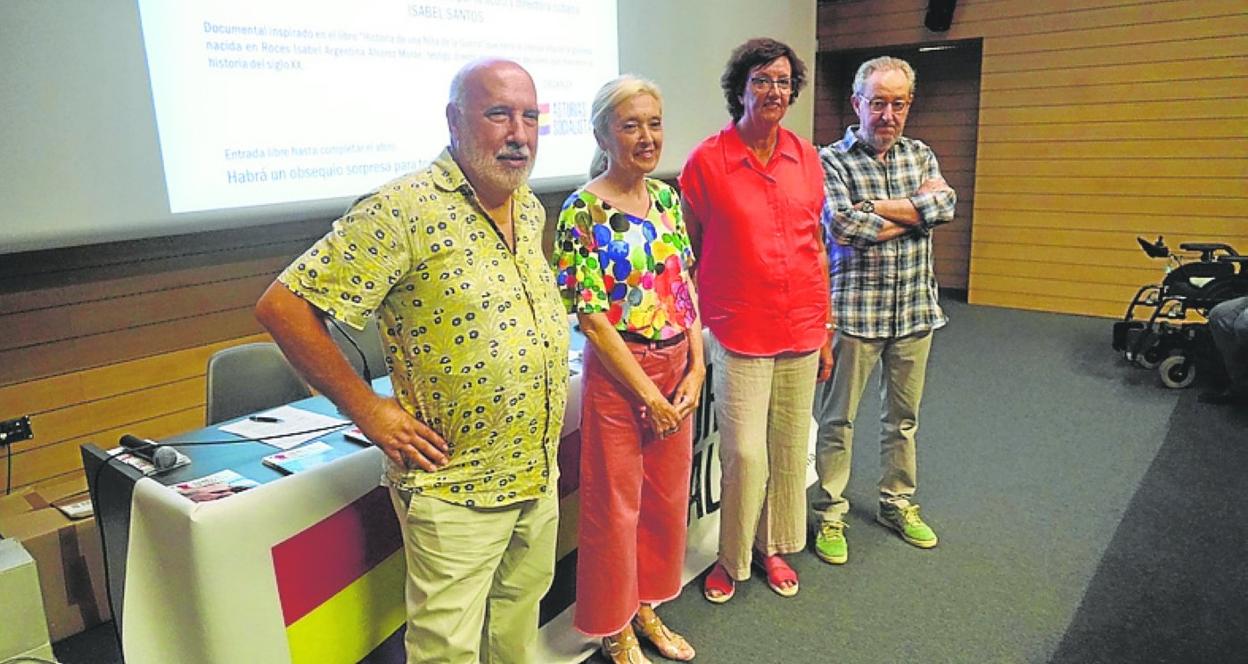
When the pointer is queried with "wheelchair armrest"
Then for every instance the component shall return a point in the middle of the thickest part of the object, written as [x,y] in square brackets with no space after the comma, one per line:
[1207,249]
[1242,260]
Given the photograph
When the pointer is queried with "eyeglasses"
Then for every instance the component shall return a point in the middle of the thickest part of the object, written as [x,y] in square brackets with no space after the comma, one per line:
[763,84]
[877,106]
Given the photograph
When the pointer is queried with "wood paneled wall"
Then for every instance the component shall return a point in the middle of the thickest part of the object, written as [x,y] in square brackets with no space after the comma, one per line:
[100,341]
[945,116]
[110,339]
[1099,120]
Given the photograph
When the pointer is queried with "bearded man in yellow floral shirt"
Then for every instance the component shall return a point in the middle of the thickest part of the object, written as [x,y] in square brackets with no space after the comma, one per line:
[449,259]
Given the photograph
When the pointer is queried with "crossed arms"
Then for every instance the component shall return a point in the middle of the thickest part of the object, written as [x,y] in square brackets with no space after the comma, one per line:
[930,204]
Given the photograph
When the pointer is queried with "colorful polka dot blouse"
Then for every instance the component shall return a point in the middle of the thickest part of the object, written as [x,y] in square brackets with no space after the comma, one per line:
[633,269]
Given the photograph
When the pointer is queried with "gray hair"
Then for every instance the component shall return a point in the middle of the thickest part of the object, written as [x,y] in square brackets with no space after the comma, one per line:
[615,92]
[458,94]
[882,63]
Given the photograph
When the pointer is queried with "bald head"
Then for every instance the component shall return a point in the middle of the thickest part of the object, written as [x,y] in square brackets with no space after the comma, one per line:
[492,116]
[471,73]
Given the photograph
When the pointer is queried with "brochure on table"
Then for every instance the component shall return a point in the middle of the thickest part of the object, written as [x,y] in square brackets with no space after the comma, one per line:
[220,484]
[303,458]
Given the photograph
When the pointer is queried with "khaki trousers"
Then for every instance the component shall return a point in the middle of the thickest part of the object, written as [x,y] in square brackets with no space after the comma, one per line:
[475,577]
[903,371]
[762,405]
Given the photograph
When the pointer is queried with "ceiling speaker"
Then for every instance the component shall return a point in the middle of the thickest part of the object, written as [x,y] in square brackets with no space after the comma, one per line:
[939,15]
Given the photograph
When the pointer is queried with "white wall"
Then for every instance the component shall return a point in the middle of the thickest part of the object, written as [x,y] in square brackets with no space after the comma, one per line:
[683,46]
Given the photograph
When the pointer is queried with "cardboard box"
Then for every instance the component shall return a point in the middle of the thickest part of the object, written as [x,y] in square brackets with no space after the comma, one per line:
[67,554]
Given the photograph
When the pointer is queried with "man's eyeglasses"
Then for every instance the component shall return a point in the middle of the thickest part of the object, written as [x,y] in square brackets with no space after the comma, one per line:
[877,106]
[763,84]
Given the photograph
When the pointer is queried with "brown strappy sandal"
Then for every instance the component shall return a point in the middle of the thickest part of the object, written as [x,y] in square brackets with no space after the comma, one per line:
[669,644]
[623,648]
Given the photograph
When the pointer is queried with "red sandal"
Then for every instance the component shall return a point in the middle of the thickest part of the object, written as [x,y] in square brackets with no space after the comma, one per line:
[720,583]
[778,574]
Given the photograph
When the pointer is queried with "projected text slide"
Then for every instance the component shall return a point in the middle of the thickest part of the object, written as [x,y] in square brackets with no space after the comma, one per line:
[272,101]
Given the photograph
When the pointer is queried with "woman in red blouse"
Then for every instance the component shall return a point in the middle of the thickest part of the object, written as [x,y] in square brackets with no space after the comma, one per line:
[752,197]
[622,256]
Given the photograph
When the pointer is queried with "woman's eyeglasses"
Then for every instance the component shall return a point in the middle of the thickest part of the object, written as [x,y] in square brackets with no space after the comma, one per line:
[763,84]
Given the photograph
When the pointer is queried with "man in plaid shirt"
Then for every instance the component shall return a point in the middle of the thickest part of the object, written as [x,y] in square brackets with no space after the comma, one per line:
[884,196]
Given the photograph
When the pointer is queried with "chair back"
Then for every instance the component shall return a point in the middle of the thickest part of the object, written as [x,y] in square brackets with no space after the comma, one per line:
[251,377]
[369,342]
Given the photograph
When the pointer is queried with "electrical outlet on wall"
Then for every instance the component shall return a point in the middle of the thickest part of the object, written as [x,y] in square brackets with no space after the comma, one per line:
[14,430]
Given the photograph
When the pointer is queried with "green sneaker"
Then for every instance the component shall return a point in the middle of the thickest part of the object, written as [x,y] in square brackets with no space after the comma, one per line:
[906,521]
[830,544]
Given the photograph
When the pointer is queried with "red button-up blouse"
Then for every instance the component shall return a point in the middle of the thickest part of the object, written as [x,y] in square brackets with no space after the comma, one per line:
[761,276]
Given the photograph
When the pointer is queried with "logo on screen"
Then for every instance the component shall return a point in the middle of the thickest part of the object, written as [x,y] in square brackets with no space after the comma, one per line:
[563,118]
[543,119]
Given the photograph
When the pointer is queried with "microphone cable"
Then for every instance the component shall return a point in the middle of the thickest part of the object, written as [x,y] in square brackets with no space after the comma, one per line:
[368,374]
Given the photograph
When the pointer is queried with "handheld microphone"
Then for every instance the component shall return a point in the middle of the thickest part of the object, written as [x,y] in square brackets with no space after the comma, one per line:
[160,456]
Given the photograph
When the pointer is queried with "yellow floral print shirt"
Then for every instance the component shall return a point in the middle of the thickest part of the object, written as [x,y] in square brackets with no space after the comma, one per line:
[476,336]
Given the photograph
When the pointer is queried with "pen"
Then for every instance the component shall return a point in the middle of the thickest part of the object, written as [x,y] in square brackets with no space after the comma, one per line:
[268,419]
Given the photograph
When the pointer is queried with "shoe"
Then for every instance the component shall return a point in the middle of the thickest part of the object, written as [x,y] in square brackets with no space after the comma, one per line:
[669,644]
[718,587]
[905,520]
[623,648]
[778,574]
[830,544]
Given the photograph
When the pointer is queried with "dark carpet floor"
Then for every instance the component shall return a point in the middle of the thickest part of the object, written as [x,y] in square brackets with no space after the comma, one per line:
[1171,587]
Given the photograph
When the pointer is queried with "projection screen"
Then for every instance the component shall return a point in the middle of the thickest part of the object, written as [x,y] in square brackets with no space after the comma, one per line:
[126,119]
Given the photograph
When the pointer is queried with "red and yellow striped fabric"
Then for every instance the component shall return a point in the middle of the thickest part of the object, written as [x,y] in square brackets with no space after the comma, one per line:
[342,602]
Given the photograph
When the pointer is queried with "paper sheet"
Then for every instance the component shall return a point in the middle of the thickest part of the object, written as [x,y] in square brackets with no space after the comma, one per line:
[293,426]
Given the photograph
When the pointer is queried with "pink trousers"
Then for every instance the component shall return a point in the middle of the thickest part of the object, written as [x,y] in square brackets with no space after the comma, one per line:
[634,495]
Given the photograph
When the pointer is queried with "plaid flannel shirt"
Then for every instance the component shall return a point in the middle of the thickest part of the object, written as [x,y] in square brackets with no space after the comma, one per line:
[881,290]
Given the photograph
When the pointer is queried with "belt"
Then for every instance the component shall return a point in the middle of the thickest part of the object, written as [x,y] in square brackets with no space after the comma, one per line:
[633,337]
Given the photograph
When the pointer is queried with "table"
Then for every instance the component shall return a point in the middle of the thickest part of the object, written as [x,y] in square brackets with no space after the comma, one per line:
[230,580]
[309,567]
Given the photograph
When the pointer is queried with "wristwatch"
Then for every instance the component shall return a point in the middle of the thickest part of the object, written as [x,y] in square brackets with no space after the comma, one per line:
[867,206]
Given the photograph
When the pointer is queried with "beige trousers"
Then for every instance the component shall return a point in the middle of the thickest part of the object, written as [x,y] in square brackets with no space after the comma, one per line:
[762,405]
[903,371]
[467,563]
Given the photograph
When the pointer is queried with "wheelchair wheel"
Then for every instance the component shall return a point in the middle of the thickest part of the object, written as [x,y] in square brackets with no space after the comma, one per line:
[1151,353]
[1177,372]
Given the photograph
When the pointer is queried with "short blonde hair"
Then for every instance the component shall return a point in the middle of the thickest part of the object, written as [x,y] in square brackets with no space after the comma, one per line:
[615,92]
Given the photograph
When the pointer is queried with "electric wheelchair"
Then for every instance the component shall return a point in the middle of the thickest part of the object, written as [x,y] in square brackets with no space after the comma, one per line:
[1165,326]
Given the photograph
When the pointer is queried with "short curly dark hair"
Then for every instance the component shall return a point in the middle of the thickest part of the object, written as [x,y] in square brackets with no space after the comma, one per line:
[749,55]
